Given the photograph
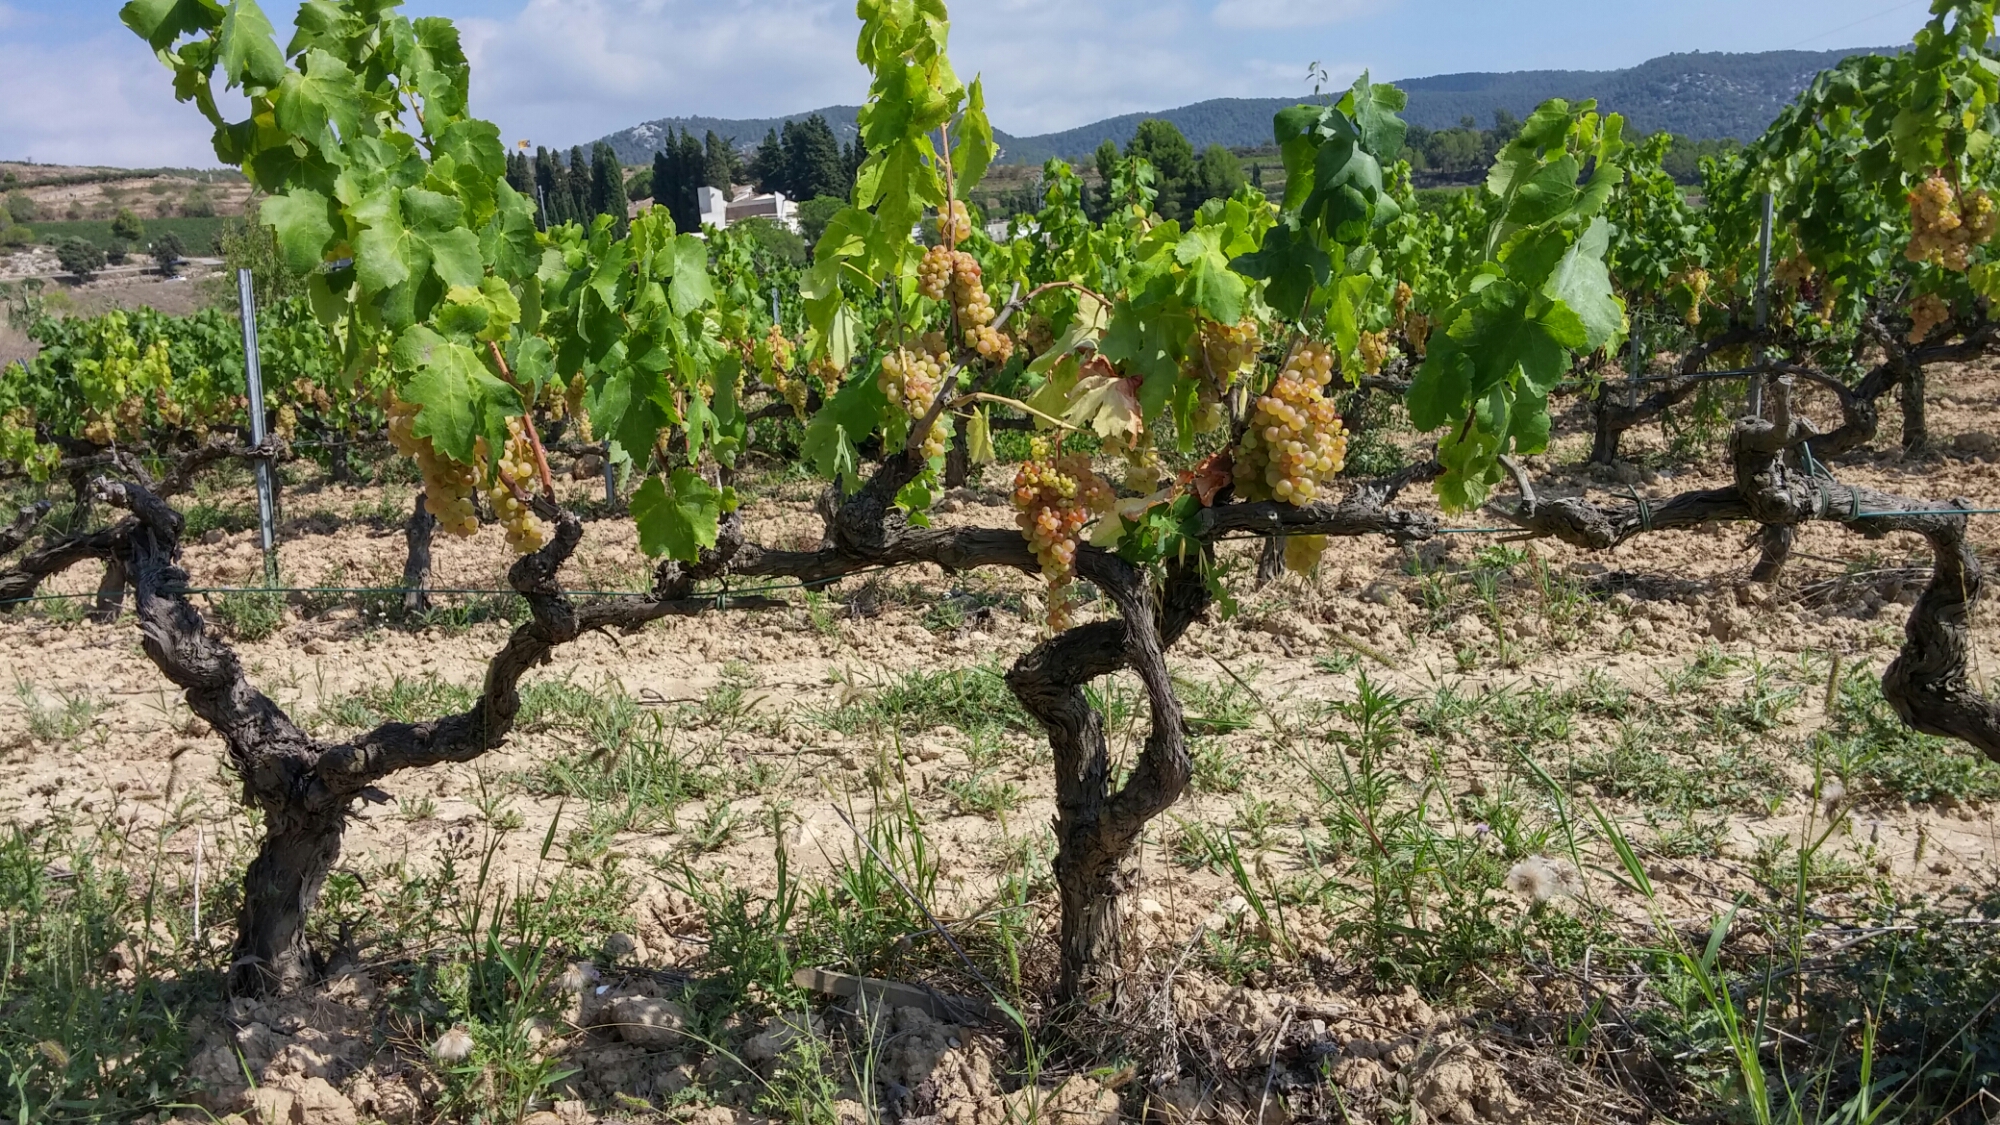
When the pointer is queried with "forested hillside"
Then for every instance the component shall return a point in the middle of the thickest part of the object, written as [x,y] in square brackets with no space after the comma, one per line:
[1701,95]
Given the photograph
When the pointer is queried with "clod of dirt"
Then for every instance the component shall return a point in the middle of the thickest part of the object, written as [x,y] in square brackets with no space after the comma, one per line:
[1457,1086]
[778,1036]
[645,1021]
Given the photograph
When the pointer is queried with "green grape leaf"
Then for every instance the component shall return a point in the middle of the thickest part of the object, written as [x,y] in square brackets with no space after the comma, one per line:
[460,399]
[1582,282]
[677,517]
[249,47]
[1375,109]
[455,256]
[1292,262]
[320,102]
[975,148]
[160,22]
[853,413]
[1211,285]
[299,218]
[691,287]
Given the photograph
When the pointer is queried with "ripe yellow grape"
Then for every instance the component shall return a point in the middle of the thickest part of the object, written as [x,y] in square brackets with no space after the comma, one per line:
[910,381]
[1373,348]
[934,272]
[516,465]
[1945,225]
[1054,497]
[955,224]
[1294,443]
[1302,552]
[1228,349]
[1927,312]
[448,484]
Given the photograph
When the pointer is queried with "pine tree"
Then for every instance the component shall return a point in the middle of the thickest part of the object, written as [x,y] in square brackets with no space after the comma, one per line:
[813,163]
[767,168]
[607,187]
[719,163]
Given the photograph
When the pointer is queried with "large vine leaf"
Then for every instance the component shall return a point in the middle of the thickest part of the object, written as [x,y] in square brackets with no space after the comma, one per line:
[677,517]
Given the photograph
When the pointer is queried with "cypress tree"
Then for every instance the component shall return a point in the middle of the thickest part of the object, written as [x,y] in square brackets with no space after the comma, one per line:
[693,163]
[549,191]
[767,168]
[577,180]
[607,187]
[719,165]
[663,182]
[1107,167]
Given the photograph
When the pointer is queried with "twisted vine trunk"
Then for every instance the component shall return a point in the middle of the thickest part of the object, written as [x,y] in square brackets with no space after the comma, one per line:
[1916,421]
[418,532]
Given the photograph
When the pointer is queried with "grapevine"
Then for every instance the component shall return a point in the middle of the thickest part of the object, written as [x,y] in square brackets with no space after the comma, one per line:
[1294,443]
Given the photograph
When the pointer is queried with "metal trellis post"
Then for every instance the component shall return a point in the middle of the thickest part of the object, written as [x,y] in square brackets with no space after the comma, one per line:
[254,376]
[1763,303]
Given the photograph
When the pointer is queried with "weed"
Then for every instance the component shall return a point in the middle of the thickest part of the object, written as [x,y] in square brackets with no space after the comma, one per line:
[58,725]
[250,615]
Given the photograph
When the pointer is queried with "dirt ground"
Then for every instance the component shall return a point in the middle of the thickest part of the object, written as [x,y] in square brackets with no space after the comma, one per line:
[1641,616]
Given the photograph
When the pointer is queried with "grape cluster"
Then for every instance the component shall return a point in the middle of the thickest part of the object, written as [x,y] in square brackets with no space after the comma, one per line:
[955,274]
[827,372]
[1946,225]
[934,272]
[1697,281]
[287,422]
[773,356]
[1794,271]
[448,485]
[910,381]
[516,470]
[1412,325]
[1294,443]
[1302,552]
[1055,496]
[1373,348]
[1927,312]
[955,224]
[1228,349]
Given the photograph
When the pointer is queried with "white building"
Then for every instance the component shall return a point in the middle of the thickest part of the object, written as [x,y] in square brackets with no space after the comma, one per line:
[722,212]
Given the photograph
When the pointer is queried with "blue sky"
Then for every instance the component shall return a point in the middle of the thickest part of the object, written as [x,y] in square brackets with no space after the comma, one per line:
[75,87]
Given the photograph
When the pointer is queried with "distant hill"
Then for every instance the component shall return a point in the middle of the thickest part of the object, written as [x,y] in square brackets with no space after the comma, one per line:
[637,144]
[1701,94]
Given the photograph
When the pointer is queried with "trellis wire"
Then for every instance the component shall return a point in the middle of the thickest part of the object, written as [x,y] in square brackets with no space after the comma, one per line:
[716,595]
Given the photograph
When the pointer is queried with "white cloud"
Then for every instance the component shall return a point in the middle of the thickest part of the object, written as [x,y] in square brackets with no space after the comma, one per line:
[566,71]
[102,100]
[1268,14]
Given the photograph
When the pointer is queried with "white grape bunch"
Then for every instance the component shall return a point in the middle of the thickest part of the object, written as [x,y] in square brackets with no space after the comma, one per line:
[1926,313]
[448,484]
[514,476]
[910,381]
[1294,443]
[1945,224]
[1054,497]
